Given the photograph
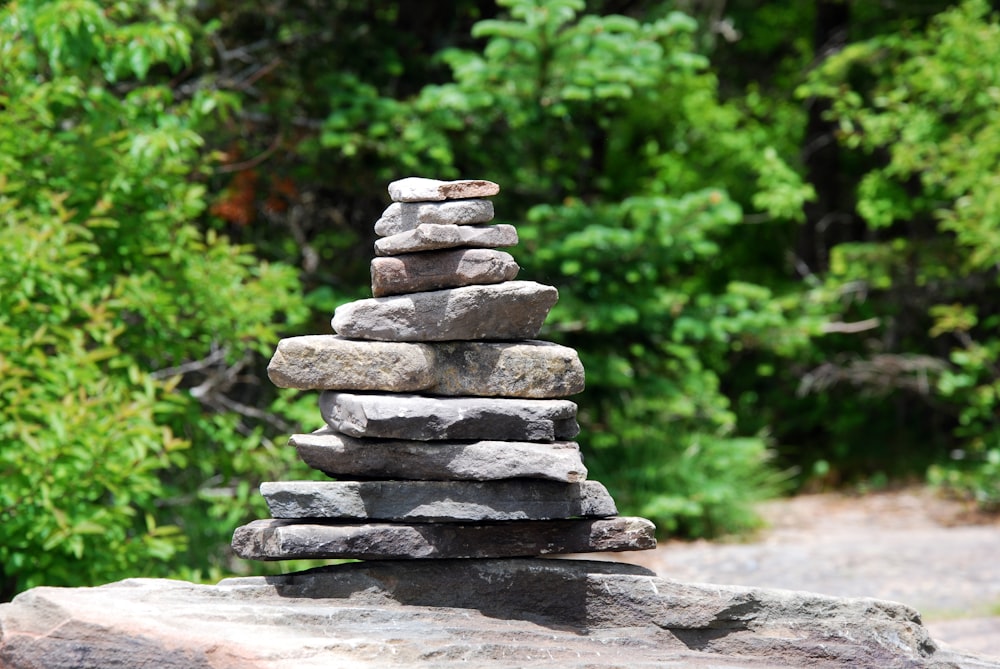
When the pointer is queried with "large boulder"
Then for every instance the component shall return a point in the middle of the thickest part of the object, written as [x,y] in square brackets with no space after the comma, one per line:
[450,613]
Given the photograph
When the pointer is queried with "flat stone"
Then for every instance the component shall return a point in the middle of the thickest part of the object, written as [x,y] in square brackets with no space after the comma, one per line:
[274,539]
[415,417]
[437,501]
[529,369]
[433,270]
[503,311]
[419,189]
[403,216]
[328,361]
[443,614]
[432,237]
[341,456]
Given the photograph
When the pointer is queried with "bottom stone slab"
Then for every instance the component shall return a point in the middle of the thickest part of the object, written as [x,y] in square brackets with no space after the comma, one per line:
[289,539]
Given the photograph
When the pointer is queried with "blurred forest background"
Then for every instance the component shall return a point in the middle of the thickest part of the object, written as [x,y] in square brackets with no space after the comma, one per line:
[774,225]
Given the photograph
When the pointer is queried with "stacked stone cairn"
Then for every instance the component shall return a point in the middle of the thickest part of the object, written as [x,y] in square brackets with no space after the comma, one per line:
[447,432]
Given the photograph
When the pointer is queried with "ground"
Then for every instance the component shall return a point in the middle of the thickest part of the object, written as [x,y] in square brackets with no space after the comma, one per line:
[912,546]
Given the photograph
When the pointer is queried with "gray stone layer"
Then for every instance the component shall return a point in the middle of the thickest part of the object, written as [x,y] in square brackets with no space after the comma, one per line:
[403,216]
[431,237]
[419,189]
[434,270]
[293,539]
[530,369]
[444,614]
[503,311]
[327,361]
[341,456]
[437,501]
[420,418]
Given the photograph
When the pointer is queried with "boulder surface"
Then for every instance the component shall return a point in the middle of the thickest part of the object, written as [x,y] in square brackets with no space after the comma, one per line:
[450,613]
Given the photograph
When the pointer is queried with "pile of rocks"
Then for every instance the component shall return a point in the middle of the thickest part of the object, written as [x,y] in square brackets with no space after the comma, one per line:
[447,429]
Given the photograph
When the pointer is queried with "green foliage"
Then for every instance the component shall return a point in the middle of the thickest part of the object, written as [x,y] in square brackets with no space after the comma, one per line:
[593,121]
[108,293]
[923,105]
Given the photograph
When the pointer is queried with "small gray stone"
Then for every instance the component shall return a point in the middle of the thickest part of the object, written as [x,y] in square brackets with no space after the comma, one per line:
[433,270]
[508,310]
[327,361]
[293,539]
[403,216]
[530,369]
[432,237]
[414,417]
[341,456]
[419,189]
[437,501]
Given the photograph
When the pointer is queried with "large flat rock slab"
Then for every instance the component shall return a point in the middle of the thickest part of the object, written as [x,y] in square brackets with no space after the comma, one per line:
[529,369]
[432,237]
[341,456]
[437,501]
[503,311]
[421,189]
[435,270]
[402,216]
[277,539]
[459,613]
[420,418]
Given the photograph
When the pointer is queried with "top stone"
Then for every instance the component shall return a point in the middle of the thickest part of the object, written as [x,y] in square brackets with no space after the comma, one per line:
[418,189]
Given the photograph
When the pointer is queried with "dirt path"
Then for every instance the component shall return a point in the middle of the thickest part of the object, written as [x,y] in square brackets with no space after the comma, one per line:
[907,546]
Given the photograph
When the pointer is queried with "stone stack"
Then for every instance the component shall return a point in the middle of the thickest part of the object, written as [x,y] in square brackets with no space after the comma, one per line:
[447,434]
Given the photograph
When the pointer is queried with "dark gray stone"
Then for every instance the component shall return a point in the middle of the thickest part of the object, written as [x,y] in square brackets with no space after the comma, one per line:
[420,189]
[437,501]
[446,418]
[434,270]
[530,369]
[293,539]
[341,456]
[403,216]
[431,237]
[503,311]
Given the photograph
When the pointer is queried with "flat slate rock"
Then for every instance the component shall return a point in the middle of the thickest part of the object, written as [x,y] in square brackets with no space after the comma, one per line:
[274,539]
[437,501]
[530,369]
[315,362]
[503,311]
[420,418]
[434,270]
[420,189]
[432,237]
[444,614]
[341,456]
[403,216]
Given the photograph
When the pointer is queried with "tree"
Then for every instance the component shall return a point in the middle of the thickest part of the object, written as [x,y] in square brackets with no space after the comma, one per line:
[123,326]
[918,109]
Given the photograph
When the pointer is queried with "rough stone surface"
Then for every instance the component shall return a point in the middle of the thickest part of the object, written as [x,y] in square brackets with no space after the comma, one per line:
[403,216]
[530,369]
[419,189]
[444,418]
[434,270]
[327,361]
[459,613]
[342,456]
[431,237]
[275,539]
[437,501]
[503,311]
